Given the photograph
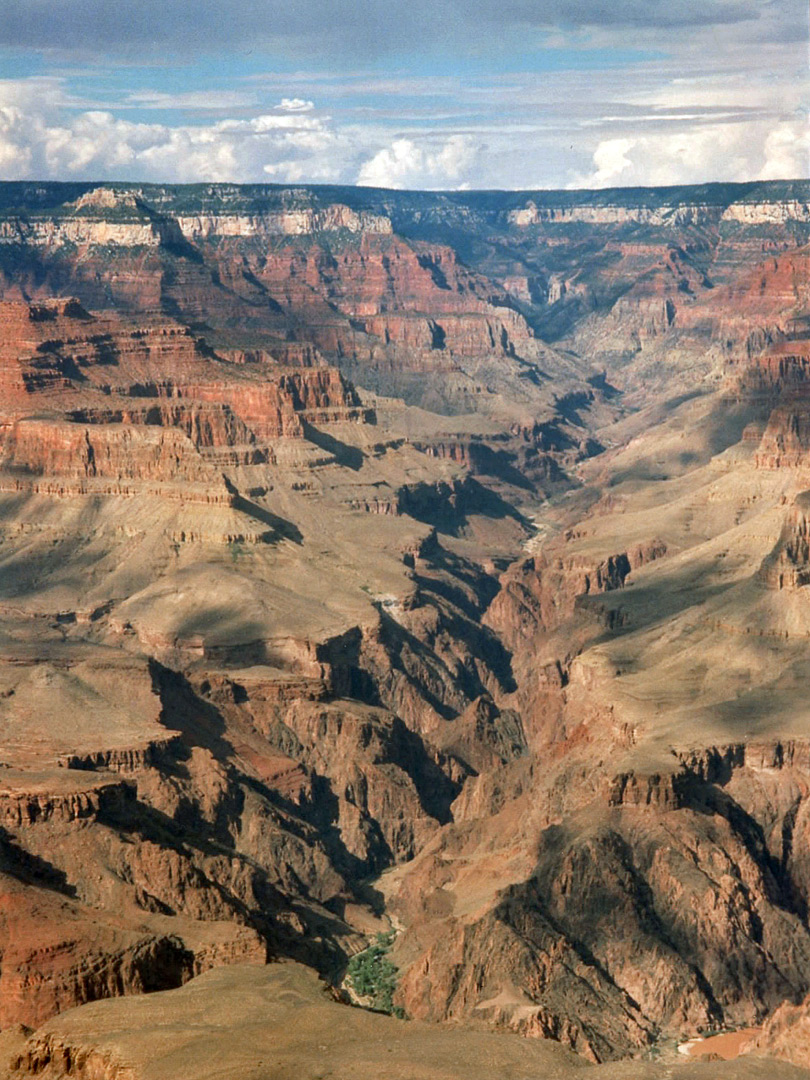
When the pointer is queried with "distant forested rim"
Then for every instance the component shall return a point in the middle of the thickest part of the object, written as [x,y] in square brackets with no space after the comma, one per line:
[41,196]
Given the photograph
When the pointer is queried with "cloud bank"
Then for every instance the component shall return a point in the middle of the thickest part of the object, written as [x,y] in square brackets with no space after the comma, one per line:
[439,94]
[41,137]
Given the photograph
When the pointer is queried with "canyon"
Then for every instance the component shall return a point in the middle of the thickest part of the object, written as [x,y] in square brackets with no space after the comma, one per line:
[425,564]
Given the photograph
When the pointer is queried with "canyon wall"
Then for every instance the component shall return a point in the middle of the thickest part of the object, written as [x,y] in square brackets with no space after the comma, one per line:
[348,584]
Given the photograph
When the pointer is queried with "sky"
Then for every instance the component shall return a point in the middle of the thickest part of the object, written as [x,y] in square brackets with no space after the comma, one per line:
[436,94]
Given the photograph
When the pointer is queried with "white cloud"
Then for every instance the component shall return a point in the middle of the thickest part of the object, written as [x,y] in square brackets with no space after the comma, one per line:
[204,100]
[741,151]
[787,152]
[296,104]
[650,126]
[405,164]
[611,160]
[41,139]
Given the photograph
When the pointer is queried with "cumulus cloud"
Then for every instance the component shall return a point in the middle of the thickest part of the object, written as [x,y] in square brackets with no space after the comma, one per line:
[787,152]
[46,132]
[43,134]
[405,164]
[742,151]
[648,121]
[40,138]
[611,160]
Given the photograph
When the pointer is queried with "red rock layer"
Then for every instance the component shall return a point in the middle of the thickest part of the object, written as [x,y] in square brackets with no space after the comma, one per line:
[135,401]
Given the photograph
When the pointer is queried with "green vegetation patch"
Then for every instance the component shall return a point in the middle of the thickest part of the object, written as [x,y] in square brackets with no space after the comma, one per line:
[372,976]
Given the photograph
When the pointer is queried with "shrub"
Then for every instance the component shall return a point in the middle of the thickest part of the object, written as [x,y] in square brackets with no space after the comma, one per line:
[372,976]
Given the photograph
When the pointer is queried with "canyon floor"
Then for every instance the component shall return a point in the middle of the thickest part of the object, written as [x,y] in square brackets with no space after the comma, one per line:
[433,564]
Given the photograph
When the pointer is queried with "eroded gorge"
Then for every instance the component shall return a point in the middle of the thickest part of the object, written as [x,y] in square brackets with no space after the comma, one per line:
[434,563]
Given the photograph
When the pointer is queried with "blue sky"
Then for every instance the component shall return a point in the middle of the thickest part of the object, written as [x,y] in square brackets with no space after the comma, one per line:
[426,94]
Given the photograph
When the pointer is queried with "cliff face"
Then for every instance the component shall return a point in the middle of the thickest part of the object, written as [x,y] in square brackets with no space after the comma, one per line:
[764,212]
[140,394]
[374,282]
[404,313]
[535,649]
[238,780]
